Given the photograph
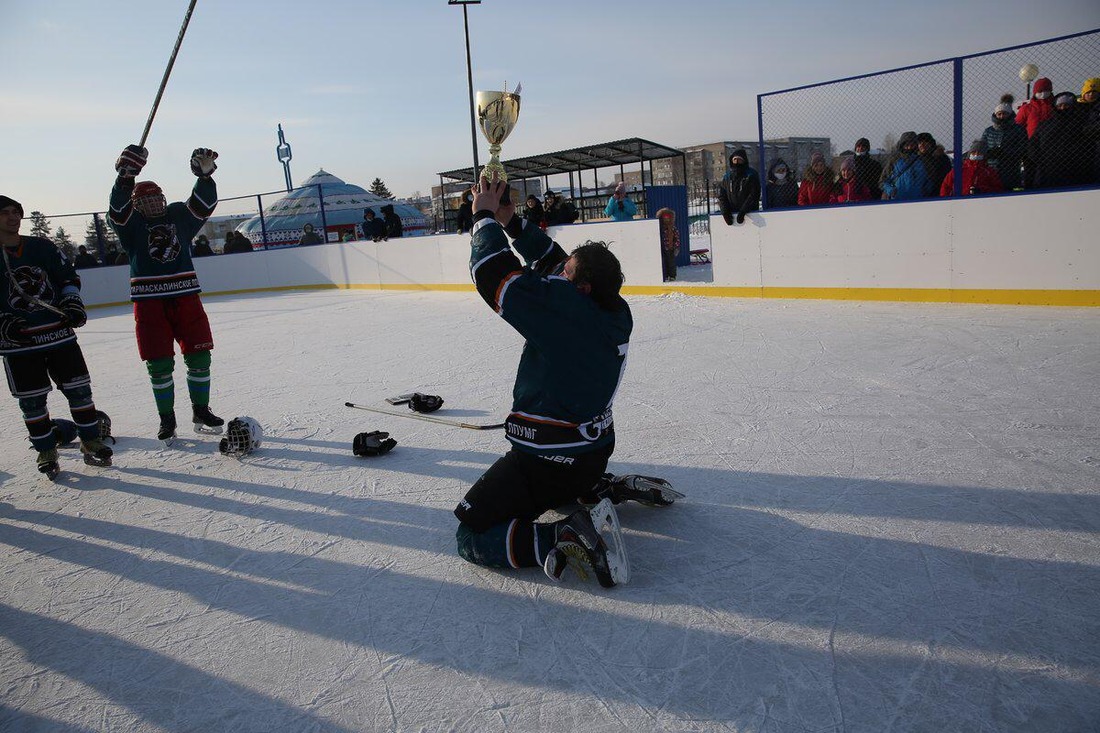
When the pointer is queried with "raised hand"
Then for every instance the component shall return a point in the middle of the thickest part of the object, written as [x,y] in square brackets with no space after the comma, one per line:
[487,194]
[131,160]
[202,162]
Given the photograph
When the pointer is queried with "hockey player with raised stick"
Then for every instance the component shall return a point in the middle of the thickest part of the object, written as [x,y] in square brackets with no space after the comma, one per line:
[40,307]
[163,284]
[577,329]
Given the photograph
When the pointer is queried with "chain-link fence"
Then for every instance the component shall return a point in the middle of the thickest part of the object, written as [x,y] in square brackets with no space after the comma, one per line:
[319,213]
[932,129]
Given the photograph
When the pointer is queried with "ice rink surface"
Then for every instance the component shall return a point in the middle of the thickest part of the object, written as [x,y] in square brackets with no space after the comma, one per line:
[891,524]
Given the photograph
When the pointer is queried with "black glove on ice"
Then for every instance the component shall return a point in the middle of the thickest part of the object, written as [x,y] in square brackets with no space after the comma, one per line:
[374,443]
[425,402]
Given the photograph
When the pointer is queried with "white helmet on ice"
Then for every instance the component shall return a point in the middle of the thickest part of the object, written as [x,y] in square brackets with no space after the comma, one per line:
[242,436]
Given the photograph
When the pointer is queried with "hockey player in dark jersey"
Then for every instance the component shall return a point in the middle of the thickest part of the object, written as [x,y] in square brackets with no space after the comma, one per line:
[163,284]
[577,330]
[40,306]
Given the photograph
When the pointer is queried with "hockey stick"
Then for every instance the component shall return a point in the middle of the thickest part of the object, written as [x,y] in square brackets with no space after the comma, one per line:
[19,289]
[167,71]
[416,416]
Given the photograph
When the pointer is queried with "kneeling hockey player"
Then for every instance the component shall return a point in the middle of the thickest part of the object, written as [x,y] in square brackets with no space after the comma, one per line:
[163,283]
[577,328]
[40,306]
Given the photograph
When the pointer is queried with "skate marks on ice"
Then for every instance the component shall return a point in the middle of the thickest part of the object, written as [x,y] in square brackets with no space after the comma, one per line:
[792,632]
[946,587]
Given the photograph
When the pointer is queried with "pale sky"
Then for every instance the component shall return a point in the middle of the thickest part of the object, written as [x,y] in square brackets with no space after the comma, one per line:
[371,88]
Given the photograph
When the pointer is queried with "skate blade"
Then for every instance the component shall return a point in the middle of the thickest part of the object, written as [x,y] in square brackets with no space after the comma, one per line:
[208,429]
[607,524]
[97,462]
[653,491]
[169,440]
[51,473]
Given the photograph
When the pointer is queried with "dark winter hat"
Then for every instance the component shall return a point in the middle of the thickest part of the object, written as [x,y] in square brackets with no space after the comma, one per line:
[739,153]
[978,146]
[864,142]
[1065,98]
[6,201]
[926,137]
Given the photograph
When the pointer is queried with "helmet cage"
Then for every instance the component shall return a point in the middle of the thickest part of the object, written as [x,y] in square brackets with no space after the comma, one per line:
[242,436]
[148,200]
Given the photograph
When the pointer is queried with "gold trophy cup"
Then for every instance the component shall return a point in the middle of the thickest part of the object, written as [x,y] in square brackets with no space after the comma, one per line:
[497,115]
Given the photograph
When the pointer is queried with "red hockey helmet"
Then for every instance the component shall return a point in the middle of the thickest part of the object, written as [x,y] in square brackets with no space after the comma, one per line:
[148,200]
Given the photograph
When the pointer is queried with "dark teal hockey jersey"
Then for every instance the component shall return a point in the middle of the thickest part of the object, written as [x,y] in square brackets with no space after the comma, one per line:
[160,249]
[575,351]
[43,272]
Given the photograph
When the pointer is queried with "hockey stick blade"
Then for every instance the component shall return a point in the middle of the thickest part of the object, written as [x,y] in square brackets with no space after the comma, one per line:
[426,418]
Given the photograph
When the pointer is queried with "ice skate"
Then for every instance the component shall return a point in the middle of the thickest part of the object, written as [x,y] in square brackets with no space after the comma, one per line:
[581,547]
[167,430]
[47,463]
[646,490]
[206,421]
[96,452]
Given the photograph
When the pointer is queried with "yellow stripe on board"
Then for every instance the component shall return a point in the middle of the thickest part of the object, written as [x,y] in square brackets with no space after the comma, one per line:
[1075,298]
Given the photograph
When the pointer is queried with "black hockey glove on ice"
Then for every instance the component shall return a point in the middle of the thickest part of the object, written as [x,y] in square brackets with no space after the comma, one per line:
[425,402]
[74,309]
[372,444]
[11,330]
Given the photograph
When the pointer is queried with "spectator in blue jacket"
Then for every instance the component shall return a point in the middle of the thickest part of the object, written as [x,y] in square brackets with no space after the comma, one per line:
[619,207]
[904,177]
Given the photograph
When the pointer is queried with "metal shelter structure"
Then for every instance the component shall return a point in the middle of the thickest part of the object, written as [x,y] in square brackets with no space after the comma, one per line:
[618,153]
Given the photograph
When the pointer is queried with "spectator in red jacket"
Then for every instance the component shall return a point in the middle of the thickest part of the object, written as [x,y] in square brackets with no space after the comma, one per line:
[849,189]
[1039,108]
[817,184]
[978,176]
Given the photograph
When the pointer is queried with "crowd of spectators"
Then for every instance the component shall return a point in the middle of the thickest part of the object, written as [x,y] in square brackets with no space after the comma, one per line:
[1049,141]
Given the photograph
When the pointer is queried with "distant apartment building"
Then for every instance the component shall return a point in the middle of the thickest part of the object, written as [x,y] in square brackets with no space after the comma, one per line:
[710,161]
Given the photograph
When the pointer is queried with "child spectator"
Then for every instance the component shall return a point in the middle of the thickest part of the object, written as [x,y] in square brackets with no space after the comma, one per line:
[1039,108]
[977,175]
[1005,144]
[849,189]
[817,183]
[619,207]
[868,170]
[782,188]
[534,213]
[670,242]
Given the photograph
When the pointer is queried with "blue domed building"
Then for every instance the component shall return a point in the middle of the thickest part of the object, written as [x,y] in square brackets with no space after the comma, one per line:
[284,221]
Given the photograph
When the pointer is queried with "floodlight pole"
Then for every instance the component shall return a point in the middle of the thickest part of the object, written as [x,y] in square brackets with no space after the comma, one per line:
[469,76]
